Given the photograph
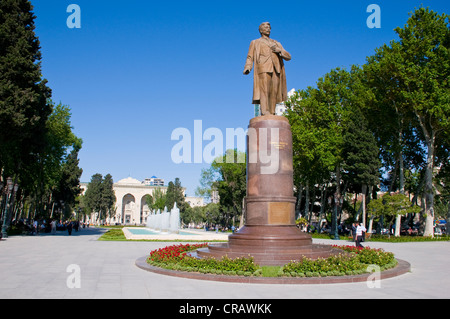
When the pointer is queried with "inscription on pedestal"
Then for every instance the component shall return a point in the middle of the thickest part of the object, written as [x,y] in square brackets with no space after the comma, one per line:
[279,213]
[279,145]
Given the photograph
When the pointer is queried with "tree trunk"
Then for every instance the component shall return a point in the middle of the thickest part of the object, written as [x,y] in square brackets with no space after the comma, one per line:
[398,221]
[363,204]
[430,138]
[306,211]
[298,204]
[369,229]
[401,174]
[337,201]
[394,177]
[311,210]
[448,218]
[323,202]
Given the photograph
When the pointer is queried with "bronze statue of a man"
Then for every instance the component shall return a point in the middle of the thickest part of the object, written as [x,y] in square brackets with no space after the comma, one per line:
[269,85]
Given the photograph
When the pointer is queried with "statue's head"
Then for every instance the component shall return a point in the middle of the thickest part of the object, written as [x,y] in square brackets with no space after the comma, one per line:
[265,28]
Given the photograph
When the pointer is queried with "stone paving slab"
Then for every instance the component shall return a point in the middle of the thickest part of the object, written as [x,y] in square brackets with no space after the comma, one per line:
[36,267]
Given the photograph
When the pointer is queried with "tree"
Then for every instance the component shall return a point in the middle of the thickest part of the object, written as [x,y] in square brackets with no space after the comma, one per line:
[24,94]
[212,214]
[108,196]
[419,63]
[360,153]
[318,117]
[314,142]
[392,205]
[100,196]
[157,201]
[93,195]
[175,194]
[227,176]
[37,145]
[208,179]
[232,183]
[68,188]
[57,172]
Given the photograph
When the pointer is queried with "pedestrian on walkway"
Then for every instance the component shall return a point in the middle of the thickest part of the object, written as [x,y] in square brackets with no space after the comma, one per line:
[69,227]
[35,227]
[53,224]
[360,229]
[354,232]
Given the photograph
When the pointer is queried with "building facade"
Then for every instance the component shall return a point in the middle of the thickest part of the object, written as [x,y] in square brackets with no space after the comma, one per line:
[153,181]
[131,207]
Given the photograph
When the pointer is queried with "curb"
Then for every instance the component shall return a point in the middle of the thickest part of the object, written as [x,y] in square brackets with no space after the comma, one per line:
[401,268]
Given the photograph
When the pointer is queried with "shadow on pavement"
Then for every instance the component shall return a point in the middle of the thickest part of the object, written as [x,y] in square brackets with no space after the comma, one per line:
[90,231]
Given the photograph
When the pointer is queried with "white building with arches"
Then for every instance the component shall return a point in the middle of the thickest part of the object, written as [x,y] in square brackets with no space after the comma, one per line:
[131,207]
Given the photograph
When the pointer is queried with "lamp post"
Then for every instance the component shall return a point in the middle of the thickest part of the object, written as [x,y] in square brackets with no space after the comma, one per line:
[9,189]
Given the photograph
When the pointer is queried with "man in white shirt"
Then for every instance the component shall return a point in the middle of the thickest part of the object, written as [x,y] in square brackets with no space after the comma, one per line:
[359,234]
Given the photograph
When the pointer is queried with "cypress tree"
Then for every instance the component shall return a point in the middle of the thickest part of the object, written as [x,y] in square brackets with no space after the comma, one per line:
[24,94]
[68,188]
[360,154]
[108,195]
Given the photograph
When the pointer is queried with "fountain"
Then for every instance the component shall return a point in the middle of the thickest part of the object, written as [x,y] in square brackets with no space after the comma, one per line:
[165,222]
[175,219]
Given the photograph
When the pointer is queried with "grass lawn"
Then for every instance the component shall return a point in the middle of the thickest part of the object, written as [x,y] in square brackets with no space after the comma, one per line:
[115,233]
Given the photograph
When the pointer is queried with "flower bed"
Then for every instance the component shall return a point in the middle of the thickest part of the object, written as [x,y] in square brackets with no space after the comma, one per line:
[352,261]
[355,262]
[176,258]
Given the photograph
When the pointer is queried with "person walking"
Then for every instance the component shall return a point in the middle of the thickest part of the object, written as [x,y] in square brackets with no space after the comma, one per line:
[35,227]
[69,227]
[360,229]
[354,232]
[53,224]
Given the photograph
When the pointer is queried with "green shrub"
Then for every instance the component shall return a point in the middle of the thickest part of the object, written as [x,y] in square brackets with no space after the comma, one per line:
[175,257]
[352,261]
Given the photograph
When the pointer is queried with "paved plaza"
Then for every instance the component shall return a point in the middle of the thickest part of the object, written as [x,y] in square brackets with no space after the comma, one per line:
[43,267]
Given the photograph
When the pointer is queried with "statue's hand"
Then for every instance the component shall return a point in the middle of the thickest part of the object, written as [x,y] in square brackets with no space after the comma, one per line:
[276,49]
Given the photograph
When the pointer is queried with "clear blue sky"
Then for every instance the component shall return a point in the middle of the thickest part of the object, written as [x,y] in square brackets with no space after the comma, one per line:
[136,70]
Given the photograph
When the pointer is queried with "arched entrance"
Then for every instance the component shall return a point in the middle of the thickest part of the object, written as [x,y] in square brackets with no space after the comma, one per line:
[128,209]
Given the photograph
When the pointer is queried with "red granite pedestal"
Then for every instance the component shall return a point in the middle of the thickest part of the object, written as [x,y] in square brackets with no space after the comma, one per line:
[269,235]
